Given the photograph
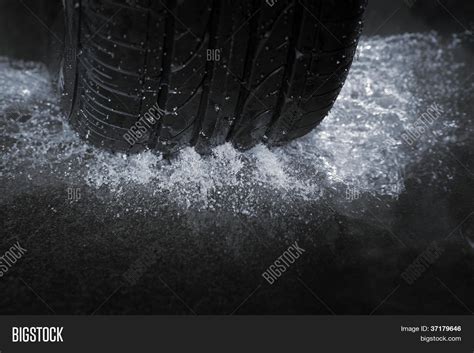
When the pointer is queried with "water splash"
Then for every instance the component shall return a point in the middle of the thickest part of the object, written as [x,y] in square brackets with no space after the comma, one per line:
[358,145]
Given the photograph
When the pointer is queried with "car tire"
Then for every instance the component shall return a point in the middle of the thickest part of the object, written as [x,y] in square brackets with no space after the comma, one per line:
[163,75]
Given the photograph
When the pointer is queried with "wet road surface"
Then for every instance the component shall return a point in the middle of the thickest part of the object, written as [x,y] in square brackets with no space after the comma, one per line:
[362,198]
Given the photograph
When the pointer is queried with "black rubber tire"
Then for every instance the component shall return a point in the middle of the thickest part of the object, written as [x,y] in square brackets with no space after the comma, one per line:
[244,71]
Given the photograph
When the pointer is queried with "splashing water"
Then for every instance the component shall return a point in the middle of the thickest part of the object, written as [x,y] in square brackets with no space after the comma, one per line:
[392,82]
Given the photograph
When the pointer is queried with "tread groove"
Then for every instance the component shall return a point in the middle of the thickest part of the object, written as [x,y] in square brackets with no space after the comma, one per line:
[249,56]
[213,26]
[291,63]
[167,60]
